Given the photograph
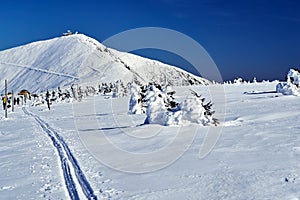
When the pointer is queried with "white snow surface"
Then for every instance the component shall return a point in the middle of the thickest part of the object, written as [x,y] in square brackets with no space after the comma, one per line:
[81,59]
[256,157]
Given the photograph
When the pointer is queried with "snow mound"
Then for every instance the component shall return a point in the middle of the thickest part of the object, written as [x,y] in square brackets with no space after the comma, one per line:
[291,86]
[161,108]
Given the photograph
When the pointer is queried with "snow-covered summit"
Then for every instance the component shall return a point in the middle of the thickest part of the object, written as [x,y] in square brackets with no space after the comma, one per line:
[78,58]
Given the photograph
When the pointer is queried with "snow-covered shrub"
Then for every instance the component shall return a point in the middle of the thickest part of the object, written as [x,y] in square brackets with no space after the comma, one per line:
[54,96]
[238,81]
[293,77]
[114,89]
[141,97]
[292,84]
[254,80]
[156,108]
[193,111]
[123,89]
[160,107]
[135,104]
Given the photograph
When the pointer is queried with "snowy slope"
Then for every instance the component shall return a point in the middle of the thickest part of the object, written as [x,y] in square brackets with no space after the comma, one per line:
[257,156]
[80,59]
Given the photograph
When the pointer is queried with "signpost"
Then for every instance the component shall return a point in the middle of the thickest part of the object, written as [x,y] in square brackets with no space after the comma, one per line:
[6,98]
[12,101]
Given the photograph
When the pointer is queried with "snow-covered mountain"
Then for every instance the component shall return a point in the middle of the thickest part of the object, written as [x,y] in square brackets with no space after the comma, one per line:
[80,59]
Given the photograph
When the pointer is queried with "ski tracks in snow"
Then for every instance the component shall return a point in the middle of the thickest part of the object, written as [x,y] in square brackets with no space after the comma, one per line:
[73,175]
[40,70]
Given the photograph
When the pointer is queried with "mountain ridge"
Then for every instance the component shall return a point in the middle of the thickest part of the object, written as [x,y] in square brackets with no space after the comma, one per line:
[77,58]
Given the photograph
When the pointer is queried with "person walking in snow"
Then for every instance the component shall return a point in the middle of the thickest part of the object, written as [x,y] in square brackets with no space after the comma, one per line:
[4,100]
[48,99]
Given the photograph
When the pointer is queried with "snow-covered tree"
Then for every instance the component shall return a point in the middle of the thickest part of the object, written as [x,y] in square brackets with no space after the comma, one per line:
[202,112]
[238,81]
[292,84]
[161,108]
[135,105]
[54,96]
[254,80]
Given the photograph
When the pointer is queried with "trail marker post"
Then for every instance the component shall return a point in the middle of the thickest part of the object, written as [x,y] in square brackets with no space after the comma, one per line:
[12,101]
[6,98]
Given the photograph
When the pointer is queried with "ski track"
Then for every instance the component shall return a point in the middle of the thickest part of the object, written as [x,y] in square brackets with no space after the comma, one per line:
[40,70]
[68,162]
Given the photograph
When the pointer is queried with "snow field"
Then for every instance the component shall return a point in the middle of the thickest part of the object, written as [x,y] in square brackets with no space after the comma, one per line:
[29,166]
[256,157]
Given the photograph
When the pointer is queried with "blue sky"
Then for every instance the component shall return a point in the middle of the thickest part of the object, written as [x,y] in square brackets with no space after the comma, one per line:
[258,38]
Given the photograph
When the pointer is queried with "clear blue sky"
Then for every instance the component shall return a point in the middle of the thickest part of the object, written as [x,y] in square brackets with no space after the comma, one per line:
[245,38]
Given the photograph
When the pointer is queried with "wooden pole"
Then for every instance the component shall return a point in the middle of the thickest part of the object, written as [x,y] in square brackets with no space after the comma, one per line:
[12,101]
[6,98]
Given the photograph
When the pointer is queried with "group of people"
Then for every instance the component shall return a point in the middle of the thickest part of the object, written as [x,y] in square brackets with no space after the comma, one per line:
[7,102]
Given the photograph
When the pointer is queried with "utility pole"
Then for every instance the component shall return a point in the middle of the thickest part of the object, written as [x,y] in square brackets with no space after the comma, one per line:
[6,98]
